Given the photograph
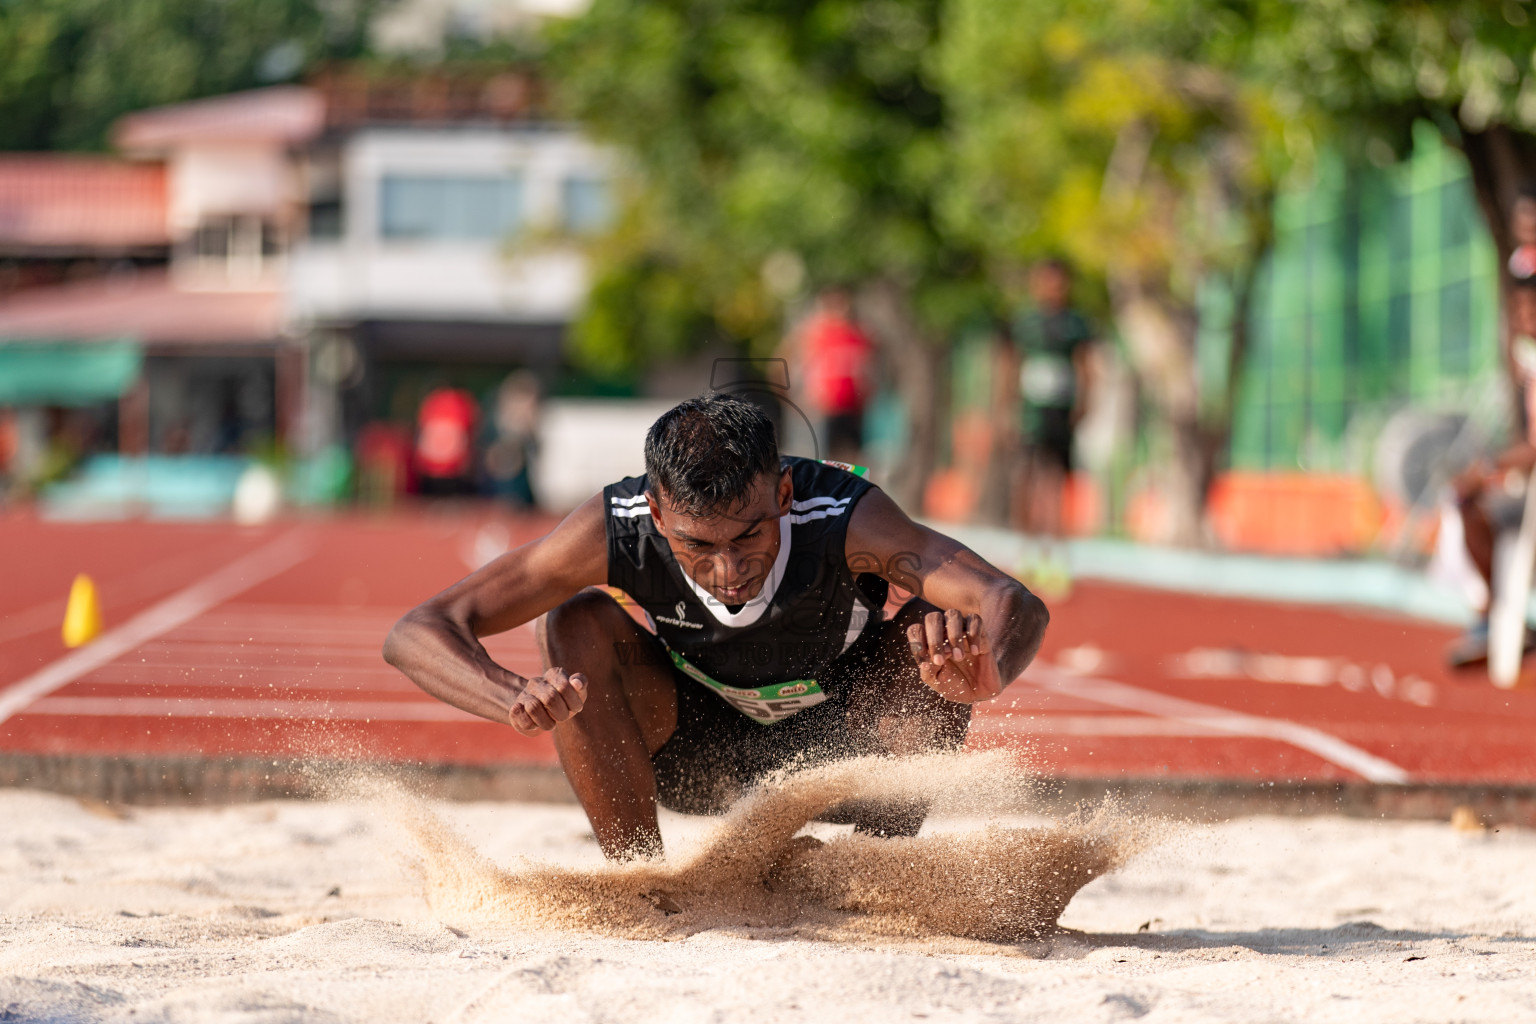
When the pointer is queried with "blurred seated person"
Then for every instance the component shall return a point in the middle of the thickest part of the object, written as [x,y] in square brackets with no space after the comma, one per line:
[1491,500]
[1491,495]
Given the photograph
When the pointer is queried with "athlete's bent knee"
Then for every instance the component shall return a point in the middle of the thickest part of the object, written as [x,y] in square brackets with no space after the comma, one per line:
[581,613]
[577,624]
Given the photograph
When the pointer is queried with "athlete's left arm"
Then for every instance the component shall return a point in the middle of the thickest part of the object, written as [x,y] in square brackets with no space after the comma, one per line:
[987,628]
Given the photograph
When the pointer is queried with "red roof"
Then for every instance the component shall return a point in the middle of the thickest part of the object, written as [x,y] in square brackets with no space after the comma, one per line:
[354,97]
[53,202]
[287,114]
[143,306]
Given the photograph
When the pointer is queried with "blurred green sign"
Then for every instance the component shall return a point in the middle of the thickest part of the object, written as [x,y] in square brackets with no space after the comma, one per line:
[67,373]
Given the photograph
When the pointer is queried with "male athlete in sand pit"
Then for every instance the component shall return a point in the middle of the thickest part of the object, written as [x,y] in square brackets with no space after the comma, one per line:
[765,579]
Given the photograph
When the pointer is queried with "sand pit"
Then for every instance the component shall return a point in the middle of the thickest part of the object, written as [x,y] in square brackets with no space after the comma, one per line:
[306,911]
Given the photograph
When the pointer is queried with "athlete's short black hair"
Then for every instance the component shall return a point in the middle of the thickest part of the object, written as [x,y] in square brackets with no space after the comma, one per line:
[706,453]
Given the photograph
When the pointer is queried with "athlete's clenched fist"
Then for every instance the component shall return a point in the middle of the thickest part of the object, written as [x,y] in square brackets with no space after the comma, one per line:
[954,657]
[547,700]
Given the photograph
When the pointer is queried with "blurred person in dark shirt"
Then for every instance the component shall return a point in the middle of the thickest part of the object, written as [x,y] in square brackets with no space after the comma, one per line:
[1051,346]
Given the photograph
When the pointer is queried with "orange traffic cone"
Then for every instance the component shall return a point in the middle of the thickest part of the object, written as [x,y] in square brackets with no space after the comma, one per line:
[82,616]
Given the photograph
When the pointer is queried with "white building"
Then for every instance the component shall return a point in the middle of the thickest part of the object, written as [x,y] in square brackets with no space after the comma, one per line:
[470,226]
[445,221]
[336,251]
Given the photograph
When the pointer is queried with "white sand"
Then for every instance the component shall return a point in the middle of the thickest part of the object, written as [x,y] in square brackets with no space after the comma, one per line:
[227,915]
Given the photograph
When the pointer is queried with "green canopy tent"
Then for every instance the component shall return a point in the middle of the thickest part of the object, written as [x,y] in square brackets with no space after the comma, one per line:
[67,373]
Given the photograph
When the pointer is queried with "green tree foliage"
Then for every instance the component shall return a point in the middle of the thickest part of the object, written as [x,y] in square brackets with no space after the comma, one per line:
[1376,66]
[69,68]
[650,297]
[1123,134]
[764,133]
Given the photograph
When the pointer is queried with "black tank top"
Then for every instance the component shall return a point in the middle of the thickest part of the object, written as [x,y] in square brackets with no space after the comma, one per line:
[765,657]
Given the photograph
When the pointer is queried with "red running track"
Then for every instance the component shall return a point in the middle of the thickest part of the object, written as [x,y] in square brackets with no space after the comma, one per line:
[223,640]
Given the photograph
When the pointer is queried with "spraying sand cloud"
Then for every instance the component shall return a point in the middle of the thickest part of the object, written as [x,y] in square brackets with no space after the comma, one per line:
[754,870]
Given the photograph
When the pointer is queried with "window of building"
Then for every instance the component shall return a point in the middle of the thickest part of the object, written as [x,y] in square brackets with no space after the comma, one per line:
[326,219]
[212,237]
[457,208]
[233,246]
[586,206]
[323,178]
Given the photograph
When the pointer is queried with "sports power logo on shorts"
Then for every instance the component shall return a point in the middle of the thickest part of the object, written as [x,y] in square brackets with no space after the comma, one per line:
[682,610]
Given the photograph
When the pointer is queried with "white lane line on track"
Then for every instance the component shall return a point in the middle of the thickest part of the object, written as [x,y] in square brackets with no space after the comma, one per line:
[381,682]
[235,708]
[1233,723]
[165,661]
[124,588]
[1088,725]
[231,620]
[265,562]
[372,639]
[1023,700]
[181,671]
[203,649]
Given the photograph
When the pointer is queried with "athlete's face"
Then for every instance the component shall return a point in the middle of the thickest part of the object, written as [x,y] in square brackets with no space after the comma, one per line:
[728,553]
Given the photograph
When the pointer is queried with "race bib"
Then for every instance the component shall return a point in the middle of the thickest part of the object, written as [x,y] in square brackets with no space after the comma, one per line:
[763,704]
[1046,379]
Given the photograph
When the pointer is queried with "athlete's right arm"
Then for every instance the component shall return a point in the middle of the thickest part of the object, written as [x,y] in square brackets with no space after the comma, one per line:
[437,643]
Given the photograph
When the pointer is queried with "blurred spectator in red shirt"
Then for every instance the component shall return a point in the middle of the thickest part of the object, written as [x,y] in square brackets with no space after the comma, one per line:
[445,430]
[834,358]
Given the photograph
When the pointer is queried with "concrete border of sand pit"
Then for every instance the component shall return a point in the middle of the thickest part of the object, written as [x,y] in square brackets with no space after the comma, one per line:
[180,780]
[151,779]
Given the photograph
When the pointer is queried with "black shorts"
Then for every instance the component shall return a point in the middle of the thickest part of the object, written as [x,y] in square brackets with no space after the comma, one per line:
[1049,438]
[716,752]
[843,433]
